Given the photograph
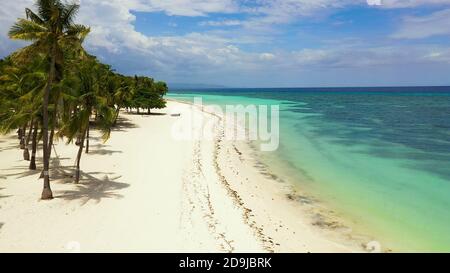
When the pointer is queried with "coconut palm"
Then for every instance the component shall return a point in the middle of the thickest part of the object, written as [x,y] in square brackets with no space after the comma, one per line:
[21,95]
[50,31]
[121,91]
[86,97]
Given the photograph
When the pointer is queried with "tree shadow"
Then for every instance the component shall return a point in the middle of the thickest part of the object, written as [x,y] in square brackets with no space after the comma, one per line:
[11,137]
[9,147]
[20,172]
[99,149]
[94,189]
[3,196]
[1,225]
[23,170]
[145,114]
[93,186]
[123,124]
[90,188]
[157,114]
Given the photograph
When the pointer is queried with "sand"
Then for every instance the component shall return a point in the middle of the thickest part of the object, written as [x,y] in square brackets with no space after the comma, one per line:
[145,191]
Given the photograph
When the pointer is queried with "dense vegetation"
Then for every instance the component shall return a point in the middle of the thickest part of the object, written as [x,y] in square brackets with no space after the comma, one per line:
[53,88]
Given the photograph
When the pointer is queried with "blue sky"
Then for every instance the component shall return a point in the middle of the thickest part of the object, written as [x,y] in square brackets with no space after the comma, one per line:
[266,43]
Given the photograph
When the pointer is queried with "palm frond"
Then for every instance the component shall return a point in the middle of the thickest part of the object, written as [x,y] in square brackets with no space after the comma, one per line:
[77,32]
[68,14]
[34,17]
[27,30]
[45,8]
[28,53]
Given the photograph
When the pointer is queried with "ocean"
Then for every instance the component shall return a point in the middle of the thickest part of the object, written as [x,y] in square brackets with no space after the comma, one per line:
[379,157]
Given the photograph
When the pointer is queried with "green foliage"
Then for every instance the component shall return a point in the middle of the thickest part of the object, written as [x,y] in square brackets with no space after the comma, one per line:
[81,90]
[148,94]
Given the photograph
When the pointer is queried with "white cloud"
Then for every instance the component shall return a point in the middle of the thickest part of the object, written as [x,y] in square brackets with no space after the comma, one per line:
[346,57]
[411,3]
[266,56]
[227,23]
[112,21]
[198,55]
[272,12]
[186,7]
[417,27]
[10,11]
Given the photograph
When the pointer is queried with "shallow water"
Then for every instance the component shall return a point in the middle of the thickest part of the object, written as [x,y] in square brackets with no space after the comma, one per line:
[380,157]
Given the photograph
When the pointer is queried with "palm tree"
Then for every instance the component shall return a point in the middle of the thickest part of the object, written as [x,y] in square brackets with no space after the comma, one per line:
[122,90]
[50,30]
[21,93]
[86,97]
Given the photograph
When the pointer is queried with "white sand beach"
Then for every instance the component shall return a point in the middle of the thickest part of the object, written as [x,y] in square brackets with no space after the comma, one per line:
[144,191]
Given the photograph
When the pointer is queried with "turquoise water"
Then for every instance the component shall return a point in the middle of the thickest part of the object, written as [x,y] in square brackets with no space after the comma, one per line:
[380,157]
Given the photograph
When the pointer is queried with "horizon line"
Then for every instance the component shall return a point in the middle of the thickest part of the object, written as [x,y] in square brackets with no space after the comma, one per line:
[311,87]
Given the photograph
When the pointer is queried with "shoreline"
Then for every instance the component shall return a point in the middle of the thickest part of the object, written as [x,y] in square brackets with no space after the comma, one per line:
[308,211]
[145,192]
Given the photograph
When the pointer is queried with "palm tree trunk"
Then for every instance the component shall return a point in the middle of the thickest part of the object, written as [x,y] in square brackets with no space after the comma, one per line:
[50,144]
[22,137]
[26,153]
[80,152]
[52,134]
[46,191]
[87,139]
[33,148]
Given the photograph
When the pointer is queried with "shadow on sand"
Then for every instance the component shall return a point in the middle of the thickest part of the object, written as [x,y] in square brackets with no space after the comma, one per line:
[100,149]
[90,187]
[145,114]
[3,196]
[11,146]
[94,189]
[93,186]
[20,171]
[123,124]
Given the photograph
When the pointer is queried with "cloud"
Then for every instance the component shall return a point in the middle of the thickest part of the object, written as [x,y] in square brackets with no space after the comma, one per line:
[227,23]
[266,56]
[275,12]
[10,11]
[223,56]
[182,7]
[348,56]
[418,27]
[411,3]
